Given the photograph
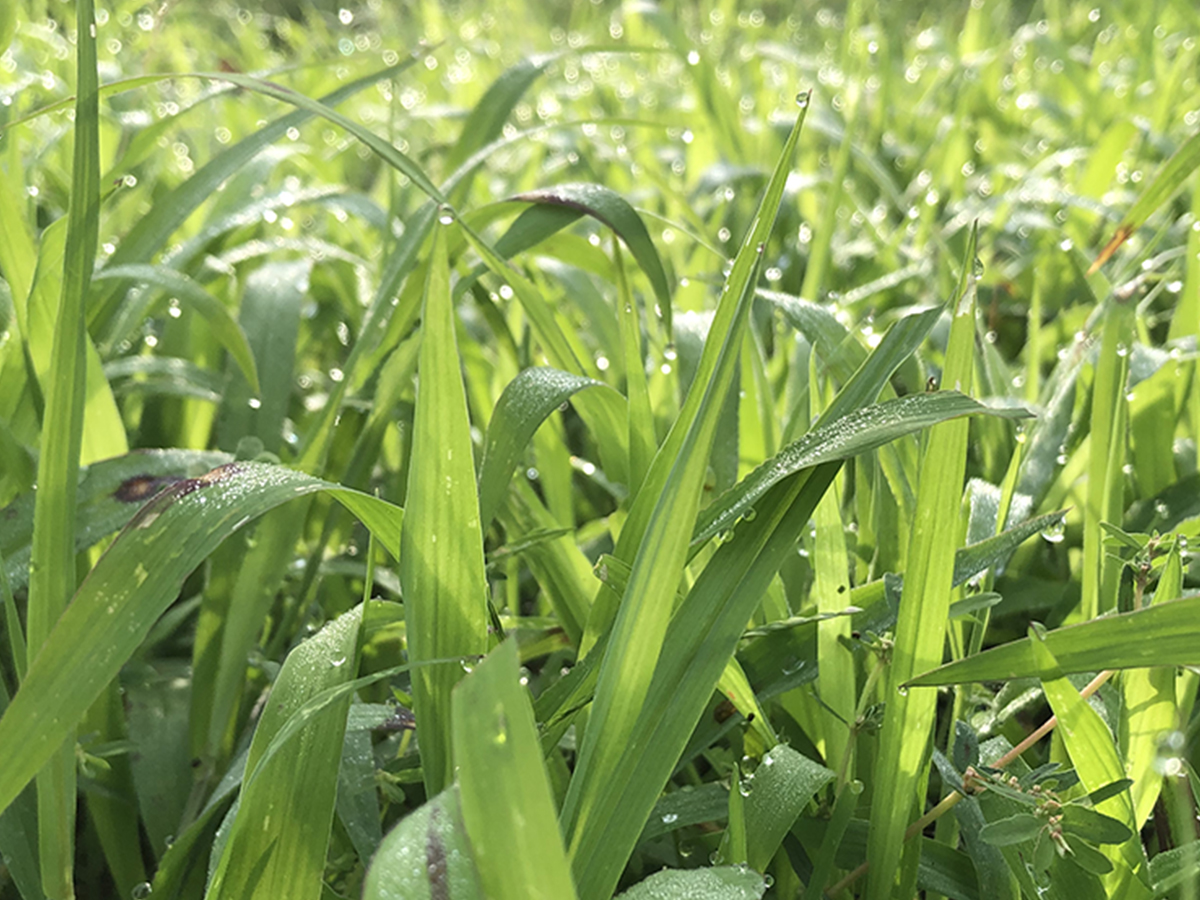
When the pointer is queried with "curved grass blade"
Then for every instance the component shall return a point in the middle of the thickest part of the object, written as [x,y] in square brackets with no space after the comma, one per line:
[163,376]
[52,568]
[524,404]
[224,327]
[441,559]
[610,208]
[279,838]
[153,230]
[487,118]
[133,583]
[507,807]
[1169,179]
[1161,635]
[606,423]
[974,558]
[855,433]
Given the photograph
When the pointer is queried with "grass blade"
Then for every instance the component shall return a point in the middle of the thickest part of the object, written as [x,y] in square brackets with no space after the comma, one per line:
[1165,636]
[716,883]
[1168,180]
[1097,761]
[279,838]
[920,629]
[525,403]
[52,566]
[426,857]
[855,433]
[441,557]
[783,785]
[136,579]
[607,206]
[1149,710]
[507,807]
[224,327]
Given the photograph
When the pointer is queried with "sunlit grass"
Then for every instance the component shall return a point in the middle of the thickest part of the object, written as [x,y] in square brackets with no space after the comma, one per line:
[580,286]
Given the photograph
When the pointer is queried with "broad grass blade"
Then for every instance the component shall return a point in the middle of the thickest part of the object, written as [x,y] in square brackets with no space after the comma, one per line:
[108,496]
[921,626]
[716,883]
[507,807]
[279,838]
[783,784]
[1165,636]
[441,556]
[133,583]
[52,565]
[426,857]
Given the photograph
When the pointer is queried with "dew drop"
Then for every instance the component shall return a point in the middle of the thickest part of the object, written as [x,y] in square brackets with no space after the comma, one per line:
[802,99]
[1055,532]
[337,663]
[141,891]
[670,818]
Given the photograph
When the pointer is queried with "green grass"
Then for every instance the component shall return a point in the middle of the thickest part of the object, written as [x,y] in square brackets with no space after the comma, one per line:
[728,434]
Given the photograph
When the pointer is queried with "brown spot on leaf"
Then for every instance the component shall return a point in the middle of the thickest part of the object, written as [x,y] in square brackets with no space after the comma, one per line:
[435,861]
[141,488]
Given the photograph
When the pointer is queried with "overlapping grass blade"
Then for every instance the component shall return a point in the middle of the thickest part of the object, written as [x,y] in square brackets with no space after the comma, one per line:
[1168,180]
[654,539]
[705,629]
[133,583]
[903,758]
[854,433]
[224,327]
[52,565]
[152,231]
[507,807]
[441,557]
